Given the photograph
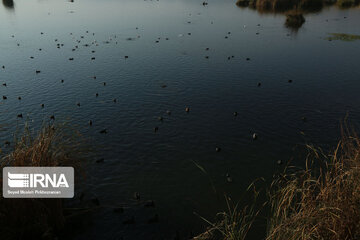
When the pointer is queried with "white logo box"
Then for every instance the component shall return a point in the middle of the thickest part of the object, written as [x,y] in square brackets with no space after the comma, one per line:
[38,182]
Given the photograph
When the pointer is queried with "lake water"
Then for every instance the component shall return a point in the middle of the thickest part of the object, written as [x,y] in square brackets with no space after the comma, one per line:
[170,75]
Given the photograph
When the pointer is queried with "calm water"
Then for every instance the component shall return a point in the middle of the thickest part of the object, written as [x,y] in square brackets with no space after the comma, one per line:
[160,165]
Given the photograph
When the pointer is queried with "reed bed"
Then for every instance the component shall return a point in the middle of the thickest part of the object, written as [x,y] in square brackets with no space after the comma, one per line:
[53,145]
[321,201]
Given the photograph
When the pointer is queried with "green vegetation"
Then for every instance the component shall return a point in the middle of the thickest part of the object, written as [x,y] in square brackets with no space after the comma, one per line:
[343,37]
[321,201]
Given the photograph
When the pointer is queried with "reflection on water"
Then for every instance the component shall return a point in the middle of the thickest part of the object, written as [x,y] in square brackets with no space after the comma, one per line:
[9,4]
[294,10]
[68,60]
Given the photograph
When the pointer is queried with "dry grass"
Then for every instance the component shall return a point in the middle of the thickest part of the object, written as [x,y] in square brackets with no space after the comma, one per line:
[53,145]
[236,222]
[320,202]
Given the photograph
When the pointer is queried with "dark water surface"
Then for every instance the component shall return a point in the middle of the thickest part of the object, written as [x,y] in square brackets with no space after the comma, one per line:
[325,86]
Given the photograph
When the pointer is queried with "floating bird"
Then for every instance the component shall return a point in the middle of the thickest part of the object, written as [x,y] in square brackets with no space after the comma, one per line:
[149,203]
[90,123]
[136,196]
[4,84]
[235,114]
[217,149]
[289,81]
[114,100]
[154,219]
[129,221]
[62,80]
[20,115]
[118,210]
[254,136]
[4,97]
[259,84]
[160,118]
[187,109]
[156,129]
[78,104]
[104,131]
[42,105]
[228,178]
[101,160]
[37,71]
[168,112]
[96,94]
[19,98]
[52,117]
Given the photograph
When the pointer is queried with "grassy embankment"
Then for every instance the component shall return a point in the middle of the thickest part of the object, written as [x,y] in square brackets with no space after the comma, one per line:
[294,9]
[321,201]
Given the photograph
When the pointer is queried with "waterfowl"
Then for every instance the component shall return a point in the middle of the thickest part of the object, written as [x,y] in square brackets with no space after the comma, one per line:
[303,119]
[254,136]
[100,160]
[37,71]
[114,100]
[20,115]
[187,109]
[4,84]
[217,149]
[156,129]
[19,98]
[118,210]
[149,203]
[207,49]
[289,81]
[154,219]
[235,114]
[104,83]
[32,57]
[126,56]
[7,143]
[95,201]
[129,221]
[168,112]
[228,178]
[259,84]
[71,59]
[206,57]
[90,123]
[104,131]
[42,105]
[3,67]
[96,94]
[163,86]
[136,196]
[52,117]
[160,118]
[247,59]
[62,80]
[279,162]
[4,97]
[78,104]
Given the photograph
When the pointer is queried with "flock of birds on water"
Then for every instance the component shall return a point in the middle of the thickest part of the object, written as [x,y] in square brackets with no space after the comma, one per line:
[79,42]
